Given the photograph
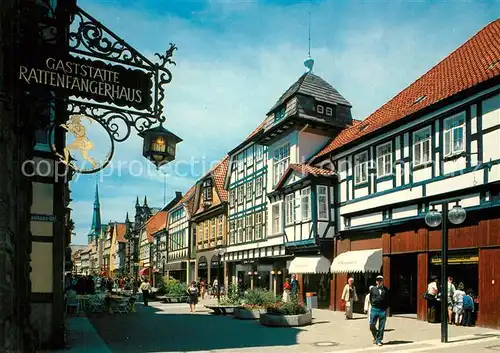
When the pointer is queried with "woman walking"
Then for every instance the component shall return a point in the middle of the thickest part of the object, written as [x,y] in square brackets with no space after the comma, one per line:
[458,303]
[431,296]
[192,292]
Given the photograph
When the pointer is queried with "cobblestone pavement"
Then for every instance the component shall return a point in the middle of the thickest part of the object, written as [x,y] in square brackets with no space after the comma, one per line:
[172,328]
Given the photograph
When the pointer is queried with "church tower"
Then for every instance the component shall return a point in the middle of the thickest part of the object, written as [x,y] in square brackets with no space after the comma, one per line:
[95,229]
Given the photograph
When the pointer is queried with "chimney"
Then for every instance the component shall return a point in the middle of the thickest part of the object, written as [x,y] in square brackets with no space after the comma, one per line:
[178,194]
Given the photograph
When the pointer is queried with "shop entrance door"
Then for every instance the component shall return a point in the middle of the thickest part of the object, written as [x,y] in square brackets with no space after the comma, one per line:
[404,284]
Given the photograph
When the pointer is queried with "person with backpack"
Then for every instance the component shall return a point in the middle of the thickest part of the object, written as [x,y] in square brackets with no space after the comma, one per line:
[468,307]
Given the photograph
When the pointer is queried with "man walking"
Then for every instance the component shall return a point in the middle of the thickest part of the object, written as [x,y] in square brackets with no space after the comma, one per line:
[145,288]
[379,300]
[294,284]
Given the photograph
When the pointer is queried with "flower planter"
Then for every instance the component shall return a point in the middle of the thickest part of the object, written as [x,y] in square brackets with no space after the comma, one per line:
[246,314]
[286,320]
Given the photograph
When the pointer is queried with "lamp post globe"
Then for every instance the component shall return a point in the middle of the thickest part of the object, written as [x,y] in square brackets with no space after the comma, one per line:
[433,218]
[457,215]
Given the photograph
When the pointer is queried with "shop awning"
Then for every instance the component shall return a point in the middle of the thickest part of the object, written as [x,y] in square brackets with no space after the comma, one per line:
[358,261]
[310,264]
[144,271]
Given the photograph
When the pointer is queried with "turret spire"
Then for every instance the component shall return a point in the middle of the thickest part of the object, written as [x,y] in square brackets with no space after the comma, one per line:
[309,62]
[145,200]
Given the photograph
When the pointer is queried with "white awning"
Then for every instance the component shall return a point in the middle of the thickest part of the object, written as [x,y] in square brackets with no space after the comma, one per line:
[358,261]
[310,264]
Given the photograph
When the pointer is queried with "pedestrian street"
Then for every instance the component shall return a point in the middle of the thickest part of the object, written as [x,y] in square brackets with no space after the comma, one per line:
[172,328]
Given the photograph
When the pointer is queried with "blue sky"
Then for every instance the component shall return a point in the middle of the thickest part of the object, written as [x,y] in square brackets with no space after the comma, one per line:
[236,58]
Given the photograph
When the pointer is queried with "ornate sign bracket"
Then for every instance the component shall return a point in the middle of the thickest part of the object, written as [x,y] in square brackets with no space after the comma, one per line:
[88,38]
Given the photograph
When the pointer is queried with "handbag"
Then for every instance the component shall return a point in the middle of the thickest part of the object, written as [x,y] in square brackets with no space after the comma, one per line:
[428,296]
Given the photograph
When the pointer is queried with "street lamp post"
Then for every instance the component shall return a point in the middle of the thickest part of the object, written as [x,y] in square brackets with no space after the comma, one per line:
[220,254]
[163,267]
[433,219]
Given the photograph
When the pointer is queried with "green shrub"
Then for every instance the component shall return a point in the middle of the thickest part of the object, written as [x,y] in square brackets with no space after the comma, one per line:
[233,296]
[259,298]
[171,287]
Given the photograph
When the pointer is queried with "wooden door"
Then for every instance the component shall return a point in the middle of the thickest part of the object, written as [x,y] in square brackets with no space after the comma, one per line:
[489,288]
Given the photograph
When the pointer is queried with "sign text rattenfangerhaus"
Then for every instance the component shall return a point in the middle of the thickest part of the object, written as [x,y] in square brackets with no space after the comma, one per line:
[93,79]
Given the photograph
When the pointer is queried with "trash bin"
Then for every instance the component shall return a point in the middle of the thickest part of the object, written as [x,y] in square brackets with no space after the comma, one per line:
[311,300]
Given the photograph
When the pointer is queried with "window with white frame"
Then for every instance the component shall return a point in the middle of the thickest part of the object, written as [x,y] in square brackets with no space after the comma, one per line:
[384,159]
[249,227]
[241,161]
[207,230]
[361,168]
[454,134]
[232,232]
[259,152]
[258,186]
[249,156]
[240,230]
[220,222]
[241,193]
[276,218]
[305,204]
[422,146]
[232,197]
[329,111]
[319,109]
[289,209]
[213,228]
[258,225]
[322,202]
[207,189]
[281,161]
[250,189]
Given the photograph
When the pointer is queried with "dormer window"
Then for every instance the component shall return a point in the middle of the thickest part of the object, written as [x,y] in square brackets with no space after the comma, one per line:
[280,114]
[207,190]
[320,109]
[329,111]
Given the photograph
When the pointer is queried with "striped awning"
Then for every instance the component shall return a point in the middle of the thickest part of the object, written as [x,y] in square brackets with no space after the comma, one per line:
[359,261]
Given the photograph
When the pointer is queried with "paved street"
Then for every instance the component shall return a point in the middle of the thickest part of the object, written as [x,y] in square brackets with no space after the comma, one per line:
[171,328]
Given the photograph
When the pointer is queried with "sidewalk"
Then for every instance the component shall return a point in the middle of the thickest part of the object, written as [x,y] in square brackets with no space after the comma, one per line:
[329,333]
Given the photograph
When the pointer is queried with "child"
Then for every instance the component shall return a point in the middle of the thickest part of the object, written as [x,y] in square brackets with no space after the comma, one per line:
[468,306]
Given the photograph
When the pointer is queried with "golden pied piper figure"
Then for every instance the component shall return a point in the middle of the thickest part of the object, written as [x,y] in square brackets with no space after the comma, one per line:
[81,141]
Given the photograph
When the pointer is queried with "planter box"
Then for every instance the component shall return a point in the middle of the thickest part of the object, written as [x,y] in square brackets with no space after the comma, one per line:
[286,320]
[246,314]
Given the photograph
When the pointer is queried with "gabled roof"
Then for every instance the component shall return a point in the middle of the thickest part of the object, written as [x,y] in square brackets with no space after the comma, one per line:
[218,174]
[186,198]
[474,62]
[121,229]
[304,169]
[156,223]
[312,85]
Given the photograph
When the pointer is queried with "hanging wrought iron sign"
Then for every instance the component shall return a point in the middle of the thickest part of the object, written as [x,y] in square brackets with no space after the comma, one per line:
[93,79]
[108,86]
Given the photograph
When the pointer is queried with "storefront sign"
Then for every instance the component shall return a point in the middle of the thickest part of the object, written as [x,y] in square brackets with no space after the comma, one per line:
[247,262]
[43,217]
[92,79]
[456,260]
[202,262]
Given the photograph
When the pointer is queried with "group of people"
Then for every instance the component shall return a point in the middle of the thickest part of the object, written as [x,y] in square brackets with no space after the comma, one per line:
[291,287]
[204,288]
[376,304]
[460,302]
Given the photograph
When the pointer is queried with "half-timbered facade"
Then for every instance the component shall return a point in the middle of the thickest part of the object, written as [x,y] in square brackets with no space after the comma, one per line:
[249,251]
[117,250]
[301,209]
[179,264]
[210,221]
[435,142]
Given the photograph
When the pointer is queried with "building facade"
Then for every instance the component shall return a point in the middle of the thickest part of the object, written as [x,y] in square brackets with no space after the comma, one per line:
[179,262]
[210,222]
[436,142]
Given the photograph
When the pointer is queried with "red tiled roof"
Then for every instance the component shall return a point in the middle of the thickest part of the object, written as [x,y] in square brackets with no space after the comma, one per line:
[121,229]
[474,62]
[219,174]
[155,223]
[304,169]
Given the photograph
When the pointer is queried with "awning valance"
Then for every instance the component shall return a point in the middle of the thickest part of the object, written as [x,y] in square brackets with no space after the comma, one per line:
[309,264]
[144,271]
[358,261]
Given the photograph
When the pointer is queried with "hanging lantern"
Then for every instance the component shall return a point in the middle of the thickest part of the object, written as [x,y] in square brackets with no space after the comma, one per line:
[159,145]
